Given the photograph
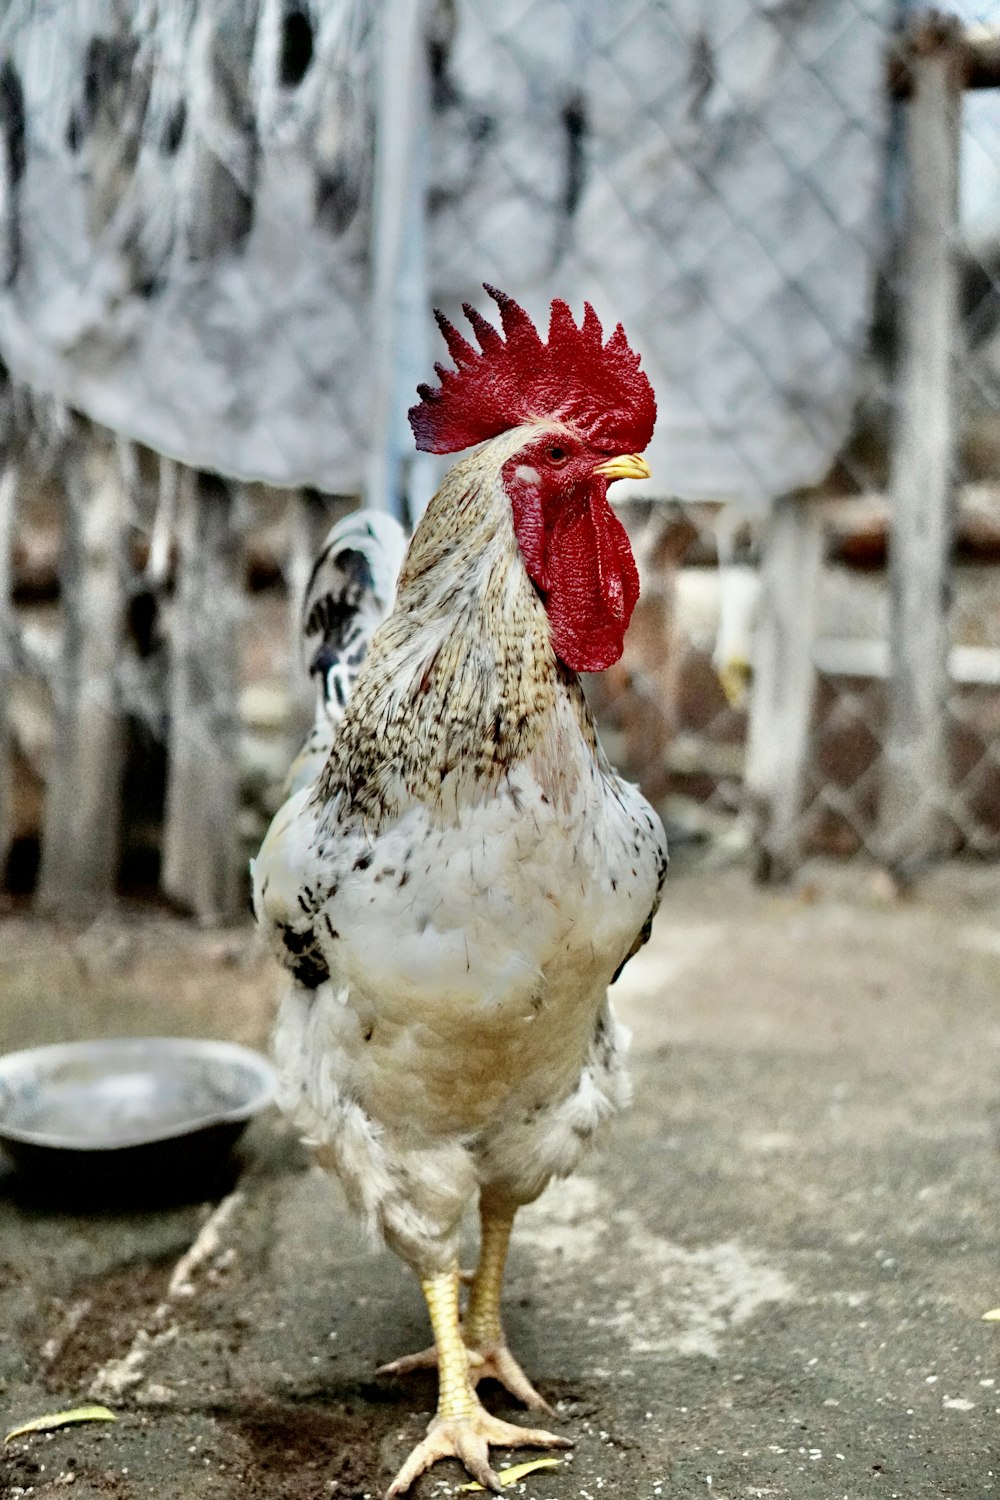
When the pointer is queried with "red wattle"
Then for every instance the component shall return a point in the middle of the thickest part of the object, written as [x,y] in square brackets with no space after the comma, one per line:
[590,582]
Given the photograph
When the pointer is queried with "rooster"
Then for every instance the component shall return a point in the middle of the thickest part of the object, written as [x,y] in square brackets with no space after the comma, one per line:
[454,892]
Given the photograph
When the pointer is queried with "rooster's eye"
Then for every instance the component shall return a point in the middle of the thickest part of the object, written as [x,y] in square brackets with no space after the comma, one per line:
[558,455]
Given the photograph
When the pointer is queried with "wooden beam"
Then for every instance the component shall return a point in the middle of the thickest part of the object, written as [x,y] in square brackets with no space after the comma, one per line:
[203,863]
[922,460]
[784,680]
[80,844]
[857,528]
[976,50]
[837,656]
[981,57]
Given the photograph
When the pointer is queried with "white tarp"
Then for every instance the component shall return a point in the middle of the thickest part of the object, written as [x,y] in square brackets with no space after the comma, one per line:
[185,237]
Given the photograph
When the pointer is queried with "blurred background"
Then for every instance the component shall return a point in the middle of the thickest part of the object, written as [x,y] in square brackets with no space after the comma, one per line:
[223,226]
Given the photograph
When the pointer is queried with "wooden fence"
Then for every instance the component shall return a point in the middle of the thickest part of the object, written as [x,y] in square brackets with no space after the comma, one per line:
[152,601]
[138,528]
[934,62]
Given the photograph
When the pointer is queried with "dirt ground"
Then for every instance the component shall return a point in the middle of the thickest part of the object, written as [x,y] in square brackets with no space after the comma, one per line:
[769,1281]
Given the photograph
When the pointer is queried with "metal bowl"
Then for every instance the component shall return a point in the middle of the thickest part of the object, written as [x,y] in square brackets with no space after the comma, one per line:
[151,1111]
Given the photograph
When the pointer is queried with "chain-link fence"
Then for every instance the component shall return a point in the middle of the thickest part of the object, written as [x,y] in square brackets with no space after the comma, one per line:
[221,231]
[838,631]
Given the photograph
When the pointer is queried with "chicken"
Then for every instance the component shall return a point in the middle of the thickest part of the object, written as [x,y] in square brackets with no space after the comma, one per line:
[455,892]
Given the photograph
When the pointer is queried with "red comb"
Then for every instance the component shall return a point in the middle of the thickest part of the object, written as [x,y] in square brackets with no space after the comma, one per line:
[516,378]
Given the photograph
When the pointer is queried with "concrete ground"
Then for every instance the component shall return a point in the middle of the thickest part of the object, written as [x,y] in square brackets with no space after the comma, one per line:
[770,1281]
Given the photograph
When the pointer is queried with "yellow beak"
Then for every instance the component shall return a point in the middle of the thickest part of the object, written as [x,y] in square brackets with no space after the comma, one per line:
[626,466]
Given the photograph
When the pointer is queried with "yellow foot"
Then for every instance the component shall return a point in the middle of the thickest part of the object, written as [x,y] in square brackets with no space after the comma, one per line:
[494,1362]
[469,1438]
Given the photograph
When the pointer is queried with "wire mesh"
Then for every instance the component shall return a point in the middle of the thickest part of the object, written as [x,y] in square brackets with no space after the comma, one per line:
[190,229]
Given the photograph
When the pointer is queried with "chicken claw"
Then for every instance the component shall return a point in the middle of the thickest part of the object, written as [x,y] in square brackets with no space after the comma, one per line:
[482,1334]
[468,1438]
[461,1428]
[497,1363]
[427,1359]
[494,1362]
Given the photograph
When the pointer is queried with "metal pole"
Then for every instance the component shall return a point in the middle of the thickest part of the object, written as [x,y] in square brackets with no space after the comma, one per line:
[399,282]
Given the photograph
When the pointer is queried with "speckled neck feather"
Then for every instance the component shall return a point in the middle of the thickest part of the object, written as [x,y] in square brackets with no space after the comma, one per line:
[461,680]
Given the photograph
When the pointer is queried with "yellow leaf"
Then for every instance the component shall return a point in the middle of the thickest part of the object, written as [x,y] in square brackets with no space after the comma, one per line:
[511,1476]
[55,1419]
[993,1316]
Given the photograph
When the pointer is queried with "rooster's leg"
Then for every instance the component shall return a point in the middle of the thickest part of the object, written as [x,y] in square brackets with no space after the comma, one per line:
[461,1428]
[482,1331]
[482,1328]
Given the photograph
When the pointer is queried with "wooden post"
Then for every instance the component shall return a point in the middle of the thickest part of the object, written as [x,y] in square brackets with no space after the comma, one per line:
[83,800]
[8,512]
[161,537]
[915,772]
[784,681]
[203,865]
